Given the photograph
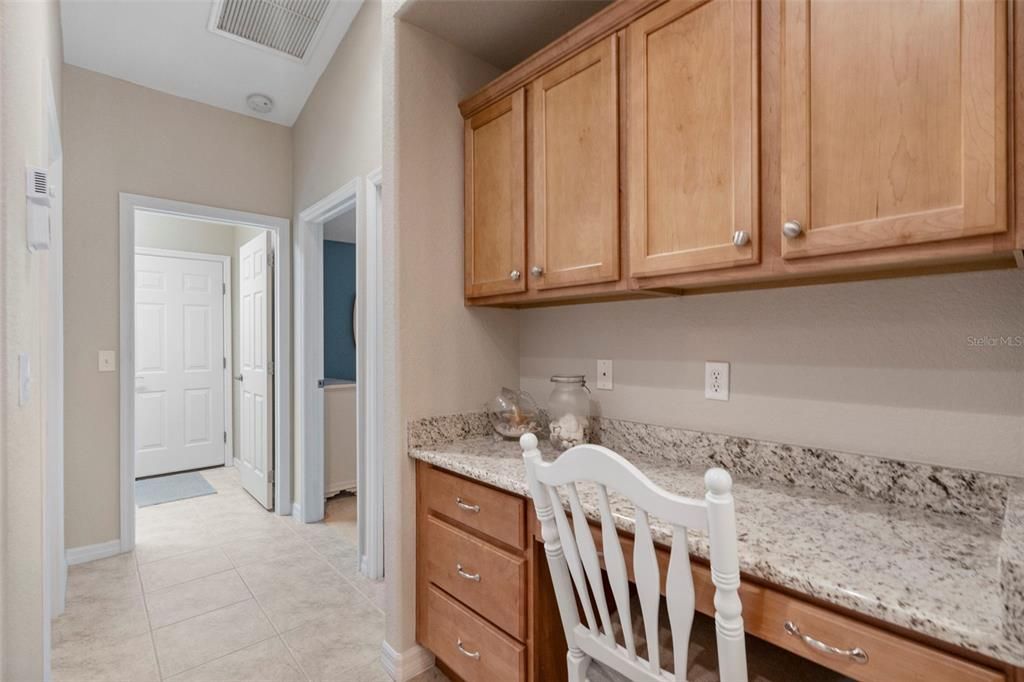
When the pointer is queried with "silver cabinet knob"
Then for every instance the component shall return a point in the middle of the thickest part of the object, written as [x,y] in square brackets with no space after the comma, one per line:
[740,237]
[536,271]
[792,228]
[515,275]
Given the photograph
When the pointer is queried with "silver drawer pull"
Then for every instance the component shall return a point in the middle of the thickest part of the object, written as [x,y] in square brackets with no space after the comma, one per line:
[475,655]
[475,508]
[855,654]
[467,576]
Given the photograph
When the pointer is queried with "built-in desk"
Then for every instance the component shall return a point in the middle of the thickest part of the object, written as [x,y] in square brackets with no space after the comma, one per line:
[920,592]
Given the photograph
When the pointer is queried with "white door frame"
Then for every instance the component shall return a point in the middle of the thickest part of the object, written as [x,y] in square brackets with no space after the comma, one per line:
[370,507]
[55,566]
[363,193]
[309,343]
[281,229]
[229,402]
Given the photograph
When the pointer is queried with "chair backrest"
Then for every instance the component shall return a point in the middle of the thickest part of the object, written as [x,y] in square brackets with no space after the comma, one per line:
[576,568]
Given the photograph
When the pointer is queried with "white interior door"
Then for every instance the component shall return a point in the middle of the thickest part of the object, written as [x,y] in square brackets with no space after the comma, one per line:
[179,364]
[256,319]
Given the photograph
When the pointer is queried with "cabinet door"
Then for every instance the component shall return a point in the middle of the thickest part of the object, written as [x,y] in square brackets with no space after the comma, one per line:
[693,202]
[496,198]
[893,123]
[575,183]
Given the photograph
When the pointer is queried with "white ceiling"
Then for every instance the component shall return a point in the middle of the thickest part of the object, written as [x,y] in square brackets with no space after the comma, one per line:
[501,32]
[166,45]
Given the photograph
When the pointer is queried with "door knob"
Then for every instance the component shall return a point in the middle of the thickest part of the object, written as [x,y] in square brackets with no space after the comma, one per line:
[514,275]
[740,237]
[537,271]
[792,228]
[239,378]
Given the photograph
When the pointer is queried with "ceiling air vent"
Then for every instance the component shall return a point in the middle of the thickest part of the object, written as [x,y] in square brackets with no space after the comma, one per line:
[288,27]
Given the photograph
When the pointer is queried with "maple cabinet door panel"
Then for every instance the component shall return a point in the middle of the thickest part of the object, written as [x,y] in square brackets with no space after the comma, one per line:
[575,140]
[692,137]
[893,123]
[496,198]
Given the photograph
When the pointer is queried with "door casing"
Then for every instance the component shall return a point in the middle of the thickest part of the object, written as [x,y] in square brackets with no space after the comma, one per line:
[281,229]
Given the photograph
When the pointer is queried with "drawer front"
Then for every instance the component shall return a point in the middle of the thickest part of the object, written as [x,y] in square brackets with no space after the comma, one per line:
[889,656]
[490,581]
[486,653]
[499,515]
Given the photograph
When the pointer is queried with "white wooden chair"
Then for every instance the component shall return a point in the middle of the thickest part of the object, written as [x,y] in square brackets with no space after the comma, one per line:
[576,570]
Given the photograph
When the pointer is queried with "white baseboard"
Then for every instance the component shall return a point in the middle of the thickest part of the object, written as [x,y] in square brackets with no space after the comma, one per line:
[296,512]
[406,665]
[335,488]
[102,550]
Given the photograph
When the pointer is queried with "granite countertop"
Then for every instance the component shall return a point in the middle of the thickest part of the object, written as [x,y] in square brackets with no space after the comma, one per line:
[956,578]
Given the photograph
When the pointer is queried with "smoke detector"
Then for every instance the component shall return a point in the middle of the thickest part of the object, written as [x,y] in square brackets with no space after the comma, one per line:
[289,28]
[261,104]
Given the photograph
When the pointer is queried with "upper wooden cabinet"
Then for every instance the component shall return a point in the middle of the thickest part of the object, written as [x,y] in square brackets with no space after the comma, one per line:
[574,124]
[495,211]
[893,123]
[692,140]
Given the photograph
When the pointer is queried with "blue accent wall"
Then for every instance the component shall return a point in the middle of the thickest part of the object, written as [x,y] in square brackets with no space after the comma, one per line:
[339,293]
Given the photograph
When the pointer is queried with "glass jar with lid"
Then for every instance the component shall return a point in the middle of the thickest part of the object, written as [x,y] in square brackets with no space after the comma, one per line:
[569,411]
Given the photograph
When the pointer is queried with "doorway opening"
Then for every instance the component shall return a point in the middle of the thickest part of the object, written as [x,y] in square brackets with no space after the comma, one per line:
[337,373]
[202,294]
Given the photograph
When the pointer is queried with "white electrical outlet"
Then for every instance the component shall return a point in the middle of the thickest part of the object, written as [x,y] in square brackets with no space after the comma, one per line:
[716,380]
[604,375]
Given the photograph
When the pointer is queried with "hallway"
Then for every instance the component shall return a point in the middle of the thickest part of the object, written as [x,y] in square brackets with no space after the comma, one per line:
[219,589]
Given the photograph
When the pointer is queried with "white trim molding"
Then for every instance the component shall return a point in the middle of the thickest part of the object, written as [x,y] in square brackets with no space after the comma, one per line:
[309,340]
[86,553]
[406,665]
[281,229]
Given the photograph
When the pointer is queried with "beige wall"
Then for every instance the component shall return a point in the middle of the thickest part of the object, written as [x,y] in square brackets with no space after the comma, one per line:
[30,41]
[121,137]
[161,231]
[881,368]
[449,358]
[336,138]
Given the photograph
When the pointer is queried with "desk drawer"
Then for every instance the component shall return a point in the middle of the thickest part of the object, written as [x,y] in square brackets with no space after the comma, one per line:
[499,515]
[487,654]
[487,579]
[889,656]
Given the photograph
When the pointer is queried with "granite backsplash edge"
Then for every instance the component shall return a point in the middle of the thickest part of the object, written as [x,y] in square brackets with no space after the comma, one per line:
[955,492]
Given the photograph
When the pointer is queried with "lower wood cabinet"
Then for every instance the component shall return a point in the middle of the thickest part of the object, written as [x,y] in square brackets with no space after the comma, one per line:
[486,607]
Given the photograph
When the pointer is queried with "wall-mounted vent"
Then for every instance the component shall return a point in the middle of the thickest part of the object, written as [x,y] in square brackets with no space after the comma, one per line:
[37,184]
[289,27]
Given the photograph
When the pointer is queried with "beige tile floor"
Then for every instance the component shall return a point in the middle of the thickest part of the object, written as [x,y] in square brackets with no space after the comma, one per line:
[219,589]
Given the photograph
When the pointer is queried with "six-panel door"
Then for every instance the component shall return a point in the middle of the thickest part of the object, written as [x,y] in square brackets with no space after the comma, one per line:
[692,137]
[893,123]
[495,210]
[574,121]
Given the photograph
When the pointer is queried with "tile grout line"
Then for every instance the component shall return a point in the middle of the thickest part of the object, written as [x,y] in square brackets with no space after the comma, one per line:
[149,621]
[277,631]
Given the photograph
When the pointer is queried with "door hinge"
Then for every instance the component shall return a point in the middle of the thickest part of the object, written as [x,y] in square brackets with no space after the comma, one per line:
[225,437]
[225,365]
[270,367]
[224,288]
[270,258]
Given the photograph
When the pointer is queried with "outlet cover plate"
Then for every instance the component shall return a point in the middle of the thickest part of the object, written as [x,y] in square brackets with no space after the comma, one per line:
[604,375]
[716,380]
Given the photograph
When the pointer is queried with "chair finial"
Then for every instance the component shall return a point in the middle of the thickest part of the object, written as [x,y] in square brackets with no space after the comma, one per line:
[527,442]
[718,481]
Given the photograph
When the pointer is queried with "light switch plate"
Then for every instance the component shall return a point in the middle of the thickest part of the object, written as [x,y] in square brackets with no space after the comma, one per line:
[716,380]
[604,375]
[107,361]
